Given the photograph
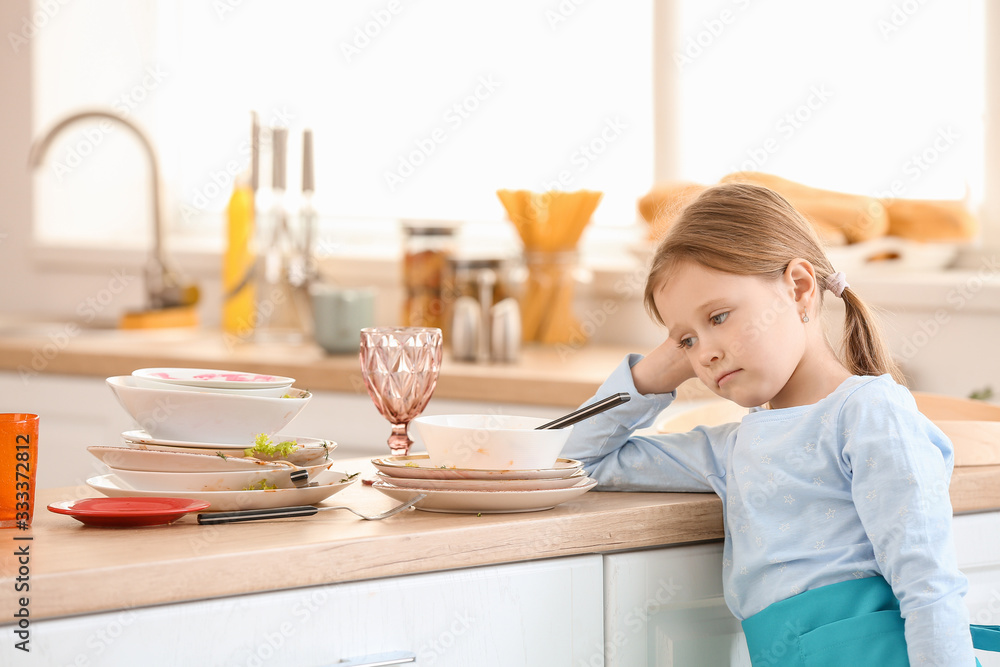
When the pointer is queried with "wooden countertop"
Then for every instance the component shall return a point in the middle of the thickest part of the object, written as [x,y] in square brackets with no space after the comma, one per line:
[76,569]
[544,375]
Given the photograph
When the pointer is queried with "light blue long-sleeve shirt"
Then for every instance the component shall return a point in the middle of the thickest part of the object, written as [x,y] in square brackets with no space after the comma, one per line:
[855,485]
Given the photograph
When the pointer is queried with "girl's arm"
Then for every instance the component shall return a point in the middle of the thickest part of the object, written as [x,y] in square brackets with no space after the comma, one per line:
[621,460]
[901,465]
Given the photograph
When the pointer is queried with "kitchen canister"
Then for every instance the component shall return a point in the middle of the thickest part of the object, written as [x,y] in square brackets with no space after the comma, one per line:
[427,245]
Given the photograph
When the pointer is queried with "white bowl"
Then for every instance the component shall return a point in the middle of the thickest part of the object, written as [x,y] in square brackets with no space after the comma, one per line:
[489,442]
[151,383]
[237,480]
[231,419]
[213,378]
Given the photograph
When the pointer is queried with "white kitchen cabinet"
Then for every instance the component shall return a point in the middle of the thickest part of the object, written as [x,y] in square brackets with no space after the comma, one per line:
[664,607]
[537,614]
[977,543]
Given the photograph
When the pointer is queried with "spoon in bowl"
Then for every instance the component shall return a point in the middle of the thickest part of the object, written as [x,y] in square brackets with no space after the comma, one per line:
[586,411]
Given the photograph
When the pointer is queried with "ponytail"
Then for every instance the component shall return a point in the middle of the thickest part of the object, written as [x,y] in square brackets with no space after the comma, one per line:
[864,348]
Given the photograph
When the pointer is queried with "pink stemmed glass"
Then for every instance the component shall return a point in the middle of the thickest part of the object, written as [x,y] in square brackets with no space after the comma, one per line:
[400,366]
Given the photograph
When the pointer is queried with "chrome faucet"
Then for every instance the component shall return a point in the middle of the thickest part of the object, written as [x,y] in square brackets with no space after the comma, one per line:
[164,286]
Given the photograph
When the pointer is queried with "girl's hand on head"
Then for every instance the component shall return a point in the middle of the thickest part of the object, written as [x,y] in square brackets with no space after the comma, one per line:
[662,370]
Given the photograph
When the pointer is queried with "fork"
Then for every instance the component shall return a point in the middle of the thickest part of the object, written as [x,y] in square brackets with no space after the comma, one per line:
[298,510]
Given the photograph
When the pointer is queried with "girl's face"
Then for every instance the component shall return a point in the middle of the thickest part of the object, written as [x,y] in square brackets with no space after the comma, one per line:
[743,335]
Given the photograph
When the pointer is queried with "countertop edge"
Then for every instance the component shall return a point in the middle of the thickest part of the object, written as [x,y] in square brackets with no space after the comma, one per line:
[667,519]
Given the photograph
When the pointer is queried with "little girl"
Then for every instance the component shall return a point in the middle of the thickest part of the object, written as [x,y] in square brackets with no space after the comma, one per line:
[835,488]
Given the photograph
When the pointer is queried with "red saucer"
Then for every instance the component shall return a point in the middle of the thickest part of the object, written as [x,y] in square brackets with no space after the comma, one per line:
[127,511]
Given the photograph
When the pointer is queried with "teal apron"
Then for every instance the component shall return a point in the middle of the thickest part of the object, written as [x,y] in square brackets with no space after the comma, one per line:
[855,622]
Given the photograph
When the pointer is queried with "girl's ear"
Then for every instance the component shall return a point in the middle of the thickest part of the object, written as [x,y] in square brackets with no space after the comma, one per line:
[800,278]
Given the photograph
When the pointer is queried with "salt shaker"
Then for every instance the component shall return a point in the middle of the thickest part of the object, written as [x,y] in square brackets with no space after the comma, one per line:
[505,331]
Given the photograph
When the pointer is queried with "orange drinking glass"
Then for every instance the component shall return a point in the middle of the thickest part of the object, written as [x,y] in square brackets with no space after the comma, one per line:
[18,459]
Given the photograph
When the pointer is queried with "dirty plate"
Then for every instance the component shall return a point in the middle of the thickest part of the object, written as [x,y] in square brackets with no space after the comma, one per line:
[233,480]
[483,484]
[419,466]
[311,451]
[328,483]
[154,460]
[487,502]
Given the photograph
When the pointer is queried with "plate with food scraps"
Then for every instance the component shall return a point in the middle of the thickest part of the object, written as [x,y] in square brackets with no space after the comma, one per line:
[170,460]
[304,456]
[487,502]
[419,466]
[267,449]
[328,483]
[127,511]
[213,378]
[483,484]
[229,480]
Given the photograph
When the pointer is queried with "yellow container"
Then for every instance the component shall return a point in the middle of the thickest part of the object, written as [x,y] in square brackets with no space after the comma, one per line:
[238,265]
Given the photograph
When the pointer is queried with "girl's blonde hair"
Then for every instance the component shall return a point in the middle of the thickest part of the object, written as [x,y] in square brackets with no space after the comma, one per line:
[750,230]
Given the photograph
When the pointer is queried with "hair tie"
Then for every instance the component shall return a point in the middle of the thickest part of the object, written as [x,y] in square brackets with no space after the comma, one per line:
[837,283]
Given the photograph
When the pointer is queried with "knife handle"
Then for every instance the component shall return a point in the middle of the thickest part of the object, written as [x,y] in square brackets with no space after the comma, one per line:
[254,515]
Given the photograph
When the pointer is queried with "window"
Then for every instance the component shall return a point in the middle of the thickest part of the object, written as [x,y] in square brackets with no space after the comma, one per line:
[854,96]
[423,110]
[418,111]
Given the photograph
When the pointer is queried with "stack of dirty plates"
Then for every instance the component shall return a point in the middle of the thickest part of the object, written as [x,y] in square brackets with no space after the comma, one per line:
[226,482]
[213,435]
[472,491]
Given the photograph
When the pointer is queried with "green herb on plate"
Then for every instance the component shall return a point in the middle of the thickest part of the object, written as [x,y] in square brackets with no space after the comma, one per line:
[221,455]
[349,477]
[262,485]
[263,445]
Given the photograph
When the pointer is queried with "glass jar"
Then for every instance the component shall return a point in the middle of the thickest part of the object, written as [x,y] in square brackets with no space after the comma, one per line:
[547,308]
[468,275]
[427,245]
